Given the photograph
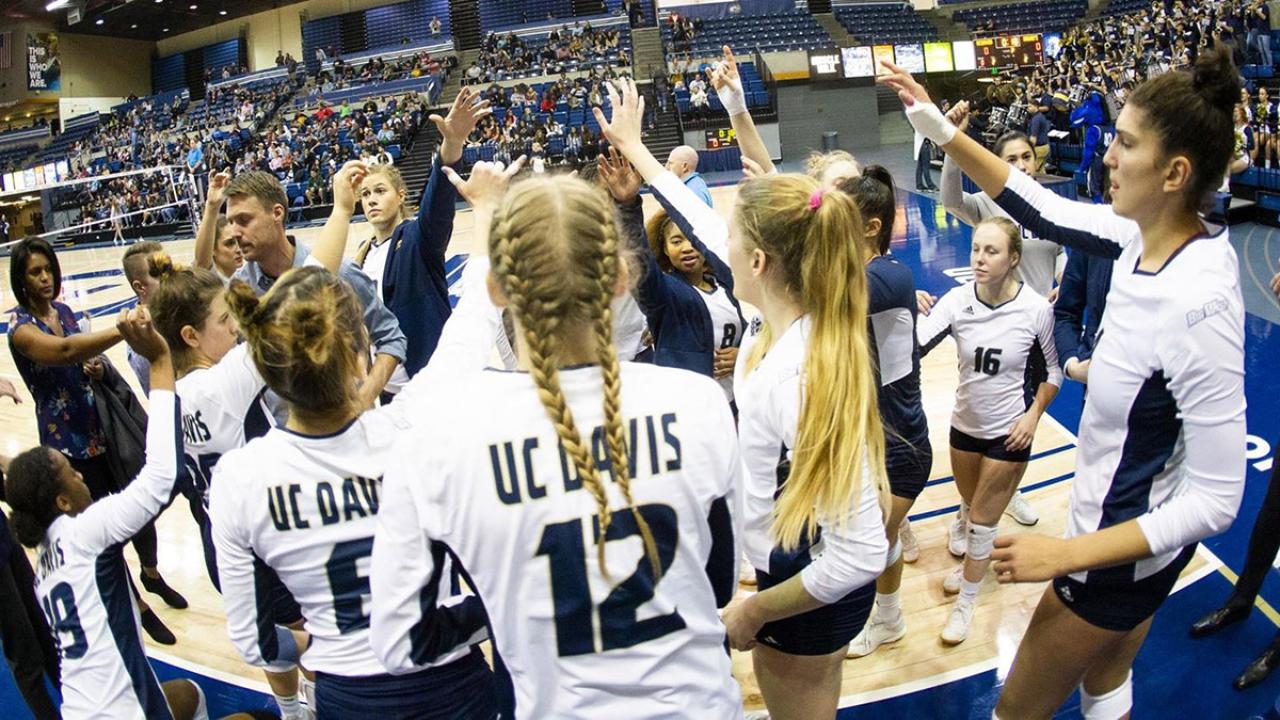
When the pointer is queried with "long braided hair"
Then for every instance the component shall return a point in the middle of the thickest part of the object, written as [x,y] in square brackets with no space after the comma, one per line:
[555,251]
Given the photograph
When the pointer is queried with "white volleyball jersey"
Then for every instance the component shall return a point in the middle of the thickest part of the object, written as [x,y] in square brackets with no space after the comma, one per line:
[726,327]
[846,552]
[82,583]
[1162,438]
[306,507]
[489,483]
[221,408]
[1004,352]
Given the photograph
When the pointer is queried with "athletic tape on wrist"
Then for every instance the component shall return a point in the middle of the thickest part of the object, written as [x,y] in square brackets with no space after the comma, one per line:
[929,121]
[732,98]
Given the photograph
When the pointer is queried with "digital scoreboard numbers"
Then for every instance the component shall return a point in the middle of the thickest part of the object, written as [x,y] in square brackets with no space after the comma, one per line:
[718,138]
[1008,51]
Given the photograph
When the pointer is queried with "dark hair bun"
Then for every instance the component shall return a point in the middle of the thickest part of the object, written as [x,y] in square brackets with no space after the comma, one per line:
[1215,79]
[880,173]
[160,265]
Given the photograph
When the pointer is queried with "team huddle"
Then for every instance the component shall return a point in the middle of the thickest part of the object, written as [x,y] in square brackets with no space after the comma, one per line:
[401,526]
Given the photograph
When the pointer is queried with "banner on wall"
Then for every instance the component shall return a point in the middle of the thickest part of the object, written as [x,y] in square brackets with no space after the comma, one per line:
[44,70]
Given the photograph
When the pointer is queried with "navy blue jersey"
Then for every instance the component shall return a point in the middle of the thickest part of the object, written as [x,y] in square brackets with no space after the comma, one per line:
[892,309]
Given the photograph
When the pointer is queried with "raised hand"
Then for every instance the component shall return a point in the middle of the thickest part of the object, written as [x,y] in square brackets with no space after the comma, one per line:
[218,183]
[618,175]
[752,170]
[487,184]
[346,184]
[623,130]
[728,85]
[959,115]
[135,325]
[463,116]
[909,91]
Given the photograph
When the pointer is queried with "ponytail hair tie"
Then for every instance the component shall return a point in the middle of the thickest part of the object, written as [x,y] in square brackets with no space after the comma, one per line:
[815,200]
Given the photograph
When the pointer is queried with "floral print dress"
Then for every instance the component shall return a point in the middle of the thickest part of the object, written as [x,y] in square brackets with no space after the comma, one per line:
[65,409]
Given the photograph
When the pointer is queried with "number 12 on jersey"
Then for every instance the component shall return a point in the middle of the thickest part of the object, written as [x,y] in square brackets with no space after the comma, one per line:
[566,550]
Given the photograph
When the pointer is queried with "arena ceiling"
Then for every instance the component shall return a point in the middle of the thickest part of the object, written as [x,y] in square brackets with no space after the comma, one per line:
[136,19]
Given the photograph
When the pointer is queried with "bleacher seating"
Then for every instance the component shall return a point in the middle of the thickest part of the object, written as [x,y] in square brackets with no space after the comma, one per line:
[380,27]
[1038,16]
[793,30]
[11,156]
[615,7]
[536,40]
[1125,7]
[752,84]
[885,23]
[74,130]
[355,93]
[499,14]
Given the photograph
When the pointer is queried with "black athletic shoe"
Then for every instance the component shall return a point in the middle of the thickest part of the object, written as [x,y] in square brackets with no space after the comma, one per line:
[1228,614]
[158,586]
[1258,670]
[156,629]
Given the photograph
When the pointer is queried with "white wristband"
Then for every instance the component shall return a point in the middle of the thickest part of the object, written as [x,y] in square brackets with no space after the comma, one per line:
[732,98]
[929,121]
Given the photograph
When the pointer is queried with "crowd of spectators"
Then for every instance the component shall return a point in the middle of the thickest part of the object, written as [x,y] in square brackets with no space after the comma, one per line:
[506,55]
[345,75]
[683,30]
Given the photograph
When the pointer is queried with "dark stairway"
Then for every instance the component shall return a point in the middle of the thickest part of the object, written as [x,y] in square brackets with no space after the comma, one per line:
[415,165]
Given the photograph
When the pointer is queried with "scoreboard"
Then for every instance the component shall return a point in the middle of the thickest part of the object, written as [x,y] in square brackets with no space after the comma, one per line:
[721,138]
[1009,50]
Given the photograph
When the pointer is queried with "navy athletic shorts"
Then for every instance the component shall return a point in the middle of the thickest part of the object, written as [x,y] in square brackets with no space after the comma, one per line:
[817,632]
[993,448]
[1114,603]
[463,689]
[908,467]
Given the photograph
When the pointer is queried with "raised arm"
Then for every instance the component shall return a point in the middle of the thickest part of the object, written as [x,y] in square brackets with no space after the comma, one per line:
[437,207]
[1095,229]
[118,517]
[332,243]
[207,233]
[728,85]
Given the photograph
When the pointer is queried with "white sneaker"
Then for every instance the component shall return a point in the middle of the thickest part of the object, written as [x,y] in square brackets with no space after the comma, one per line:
[958,536]
[951,583]
[1021,511]
[876,633]
[957,628]
[910,546]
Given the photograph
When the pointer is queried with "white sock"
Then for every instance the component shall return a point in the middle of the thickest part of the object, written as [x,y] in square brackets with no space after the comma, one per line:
[888,607]
[969,590]
[289,707]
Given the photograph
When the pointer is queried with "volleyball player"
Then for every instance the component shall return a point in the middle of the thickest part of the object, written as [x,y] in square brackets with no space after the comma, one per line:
[590,501]
[1161,456]
[216,249]
[221,394]
[685,292]
[405,255]
[796,262]
[908,454]
[1003,332]
[1040,268]
[81,578]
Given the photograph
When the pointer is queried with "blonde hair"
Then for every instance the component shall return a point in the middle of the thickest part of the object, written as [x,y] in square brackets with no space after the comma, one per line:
[817,164]
[306,337]
[1008,228]
[817,255]
[555,252]
[393,176]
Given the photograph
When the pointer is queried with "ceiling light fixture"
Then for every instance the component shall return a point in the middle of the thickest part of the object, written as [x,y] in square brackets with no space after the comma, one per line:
[133,26]
[222,12]
[165,30]
[99,22]
[193,7]
[57,5]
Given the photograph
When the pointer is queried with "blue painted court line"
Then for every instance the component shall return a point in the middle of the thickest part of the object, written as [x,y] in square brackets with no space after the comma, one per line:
[1034,456]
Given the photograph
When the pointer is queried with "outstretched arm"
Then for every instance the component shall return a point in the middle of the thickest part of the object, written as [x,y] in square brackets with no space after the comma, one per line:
[728,85]
[332,243]
[207,234]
